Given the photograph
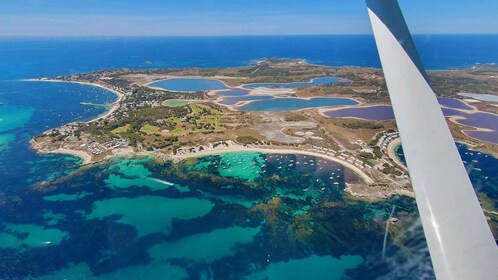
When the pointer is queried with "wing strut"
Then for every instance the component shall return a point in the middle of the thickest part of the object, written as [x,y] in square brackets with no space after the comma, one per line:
[459,239]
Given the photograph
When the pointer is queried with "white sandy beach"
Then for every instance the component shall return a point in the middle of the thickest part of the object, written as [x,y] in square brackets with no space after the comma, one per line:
[86,157]
[114,105]
[391,152]
[234,149]
[81,154]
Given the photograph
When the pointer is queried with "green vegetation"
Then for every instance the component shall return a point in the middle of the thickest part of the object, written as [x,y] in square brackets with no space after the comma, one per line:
[246,139]
[122,129]
[367,155]
[150,129]
[145,94]
[387,169]
[195,109]
[178,102]
[296,117]
[363,125]
[377,152]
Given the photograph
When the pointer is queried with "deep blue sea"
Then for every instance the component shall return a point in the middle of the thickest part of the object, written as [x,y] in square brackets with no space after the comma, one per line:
[89,240]
[31,58]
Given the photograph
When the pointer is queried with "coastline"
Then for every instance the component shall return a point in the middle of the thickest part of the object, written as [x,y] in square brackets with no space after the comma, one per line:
[84,156]
[87,159]
[235,149]
[113,106]
[365,187]
[391,152]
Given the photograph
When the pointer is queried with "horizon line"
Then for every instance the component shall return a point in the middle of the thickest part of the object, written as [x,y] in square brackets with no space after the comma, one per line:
[223,35]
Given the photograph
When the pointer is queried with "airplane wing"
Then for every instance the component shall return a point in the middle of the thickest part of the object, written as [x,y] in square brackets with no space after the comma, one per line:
[460,241]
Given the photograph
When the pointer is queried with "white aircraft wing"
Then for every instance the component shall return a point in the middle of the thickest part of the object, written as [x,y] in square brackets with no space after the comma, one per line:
[459,239]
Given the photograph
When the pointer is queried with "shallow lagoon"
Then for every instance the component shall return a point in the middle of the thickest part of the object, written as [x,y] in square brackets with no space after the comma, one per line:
[179,102]
[233,92]
[235,100]
[383,112]
[481,120]
[189,84]
[236,216]
[453,103]
[314,82]
[373,113]
[201,84]
[289,104]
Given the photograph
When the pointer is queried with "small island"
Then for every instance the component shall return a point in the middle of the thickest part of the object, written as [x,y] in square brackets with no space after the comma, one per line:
[274,106]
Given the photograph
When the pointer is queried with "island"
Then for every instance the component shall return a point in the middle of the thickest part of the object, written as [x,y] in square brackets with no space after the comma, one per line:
[282,106]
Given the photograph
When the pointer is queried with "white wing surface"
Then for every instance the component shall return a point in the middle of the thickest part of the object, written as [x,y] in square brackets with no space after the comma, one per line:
[459,239]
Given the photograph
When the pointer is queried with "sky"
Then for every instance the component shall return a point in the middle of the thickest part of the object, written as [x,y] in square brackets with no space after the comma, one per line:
[233,17]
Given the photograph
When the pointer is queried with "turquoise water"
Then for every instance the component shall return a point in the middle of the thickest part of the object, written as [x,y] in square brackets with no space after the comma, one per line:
[314,267]
[30,108]
[24,236]
[11,118]
[34,212]
[229,216]
[138,212]
[289,104]
[189,85]
[314,82]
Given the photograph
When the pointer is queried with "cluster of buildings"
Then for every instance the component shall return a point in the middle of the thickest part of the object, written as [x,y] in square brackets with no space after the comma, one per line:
[66,130]
[97,148]
[342,155]
[385,139]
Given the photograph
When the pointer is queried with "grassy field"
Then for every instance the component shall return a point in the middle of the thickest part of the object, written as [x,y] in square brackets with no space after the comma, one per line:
[122,129]
[178,102]
[150,129]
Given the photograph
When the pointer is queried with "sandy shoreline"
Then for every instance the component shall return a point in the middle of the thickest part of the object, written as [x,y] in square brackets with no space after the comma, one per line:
[86,157]
[235,149]
[113,106]
[391,152]
[80,154]
[275,92]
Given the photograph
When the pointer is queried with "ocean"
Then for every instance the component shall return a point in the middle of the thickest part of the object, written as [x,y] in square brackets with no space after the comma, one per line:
[33,58]
[98,222]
